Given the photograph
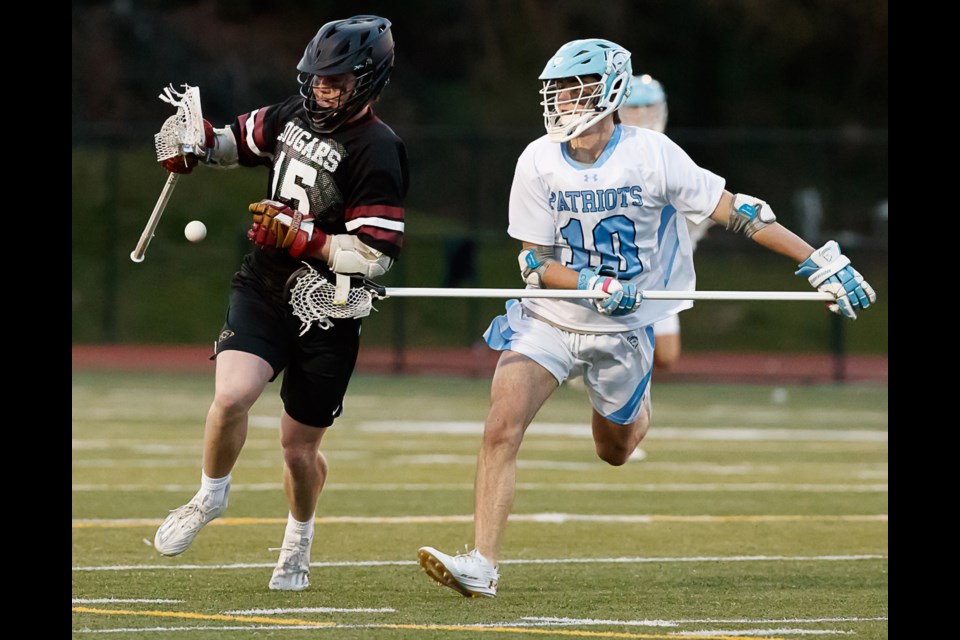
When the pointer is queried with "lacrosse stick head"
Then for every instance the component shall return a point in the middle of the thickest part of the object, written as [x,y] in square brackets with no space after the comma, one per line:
[314,299]
[182,132]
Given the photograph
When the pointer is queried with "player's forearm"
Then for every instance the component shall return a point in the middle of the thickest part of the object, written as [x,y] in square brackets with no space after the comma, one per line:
[778,238]
[558,276]
[771,235]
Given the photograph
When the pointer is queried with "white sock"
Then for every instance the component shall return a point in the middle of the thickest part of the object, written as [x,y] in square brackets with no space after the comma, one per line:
[213,491]
[298,529]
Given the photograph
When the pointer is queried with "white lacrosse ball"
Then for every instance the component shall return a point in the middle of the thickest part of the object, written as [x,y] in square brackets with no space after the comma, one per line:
[195,231]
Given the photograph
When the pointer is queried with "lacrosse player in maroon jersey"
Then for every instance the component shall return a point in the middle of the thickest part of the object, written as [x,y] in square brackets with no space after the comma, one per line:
[335,199]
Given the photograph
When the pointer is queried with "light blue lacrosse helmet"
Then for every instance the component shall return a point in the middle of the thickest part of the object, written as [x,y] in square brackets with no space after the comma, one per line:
[582,101]
[646,104]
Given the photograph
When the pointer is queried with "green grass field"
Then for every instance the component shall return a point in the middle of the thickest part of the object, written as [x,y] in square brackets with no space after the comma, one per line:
[758,512]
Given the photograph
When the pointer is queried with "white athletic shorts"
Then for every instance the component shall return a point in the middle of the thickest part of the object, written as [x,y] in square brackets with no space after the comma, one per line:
[668,326]
[615,367]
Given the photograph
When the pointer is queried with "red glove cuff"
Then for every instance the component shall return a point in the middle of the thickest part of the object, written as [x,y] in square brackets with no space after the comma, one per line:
[208,137]
[180,164]
[302,248]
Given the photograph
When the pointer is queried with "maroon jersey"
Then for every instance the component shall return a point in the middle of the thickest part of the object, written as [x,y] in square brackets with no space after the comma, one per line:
[354,180]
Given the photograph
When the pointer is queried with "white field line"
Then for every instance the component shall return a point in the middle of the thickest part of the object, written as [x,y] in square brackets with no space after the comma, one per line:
[504,626]
[676,623]
[497,627]
[129,600]
[704,468]
[767,632]
[579,430]
[167,463]
[271,612]
[549,518]
[386,563]
[879,487]
[562,429]
[467,627]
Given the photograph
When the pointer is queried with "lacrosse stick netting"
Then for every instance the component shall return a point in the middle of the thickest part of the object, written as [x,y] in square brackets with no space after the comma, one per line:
[314,300]
[181,133]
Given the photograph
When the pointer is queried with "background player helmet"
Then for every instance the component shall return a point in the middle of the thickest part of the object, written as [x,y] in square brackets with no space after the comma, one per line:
[646,106]
[361,45]
[602,69]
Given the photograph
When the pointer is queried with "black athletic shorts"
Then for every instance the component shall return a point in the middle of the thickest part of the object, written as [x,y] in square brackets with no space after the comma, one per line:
[317,366]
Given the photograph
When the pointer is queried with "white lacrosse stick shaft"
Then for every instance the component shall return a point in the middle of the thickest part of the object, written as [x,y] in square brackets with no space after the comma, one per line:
[181,133]
[141,249]
[428,292]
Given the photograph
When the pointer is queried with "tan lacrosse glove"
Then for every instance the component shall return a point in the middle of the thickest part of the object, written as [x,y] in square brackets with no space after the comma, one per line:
[269,230]
[277,225]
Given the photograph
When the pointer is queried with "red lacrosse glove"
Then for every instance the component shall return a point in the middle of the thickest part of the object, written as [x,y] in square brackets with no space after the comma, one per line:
[262,236]
[185,163]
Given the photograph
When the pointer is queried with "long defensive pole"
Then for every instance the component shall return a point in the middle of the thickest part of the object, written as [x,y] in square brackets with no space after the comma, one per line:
[453,292]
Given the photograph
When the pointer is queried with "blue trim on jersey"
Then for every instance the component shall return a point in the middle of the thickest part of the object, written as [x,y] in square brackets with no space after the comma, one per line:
[607,152]
[499,335]
[629,412]
[667,216]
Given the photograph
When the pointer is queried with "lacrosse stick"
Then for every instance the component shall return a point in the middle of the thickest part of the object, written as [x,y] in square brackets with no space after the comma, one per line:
[314,298]
[427,292]
[182,133]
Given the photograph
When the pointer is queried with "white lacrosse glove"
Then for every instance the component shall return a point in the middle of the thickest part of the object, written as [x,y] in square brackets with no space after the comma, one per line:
[623,297]
[829,270]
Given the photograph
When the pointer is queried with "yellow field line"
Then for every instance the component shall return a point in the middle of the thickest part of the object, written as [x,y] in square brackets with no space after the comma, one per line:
[417,627]
[202,616]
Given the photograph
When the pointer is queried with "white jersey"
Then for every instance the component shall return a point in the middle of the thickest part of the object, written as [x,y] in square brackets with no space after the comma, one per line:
[627,210]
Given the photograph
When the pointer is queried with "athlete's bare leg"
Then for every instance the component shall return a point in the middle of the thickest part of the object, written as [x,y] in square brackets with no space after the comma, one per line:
[615,442]
[519,388]
[240,379]
[304,466]
[667,352]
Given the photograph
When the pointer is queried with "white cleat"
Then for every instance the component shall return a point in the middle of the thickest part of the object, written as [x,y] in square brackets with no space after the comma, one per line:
[183,524]
[292,572]
[470,574]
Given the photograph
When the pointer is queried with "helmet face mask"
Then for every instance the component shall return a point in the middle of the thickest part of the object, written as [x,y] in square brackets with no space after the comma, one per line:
[585,81]
[357,51]
[567,100]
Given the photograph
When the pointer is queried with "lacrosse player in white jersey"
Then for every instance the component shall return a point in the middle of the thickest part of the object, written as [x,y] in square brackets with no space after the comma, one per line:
[596,205]
[646,106]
